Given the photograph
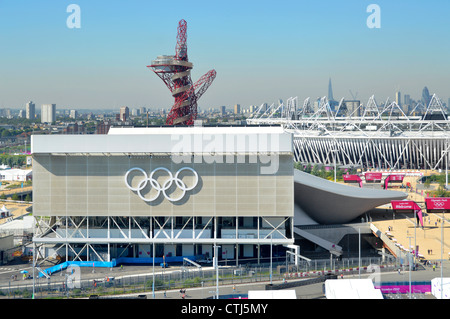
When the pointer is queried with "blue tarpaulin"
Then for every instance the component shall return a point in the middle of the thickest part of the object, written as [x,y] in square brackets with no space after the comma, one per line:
[116,262]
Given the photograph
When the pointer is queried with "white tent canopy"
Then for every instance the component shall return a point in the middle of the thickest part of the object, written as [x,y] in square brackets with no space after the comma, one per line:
[436,288]
[351,289]
[4,212]
[272,294]
[19,226]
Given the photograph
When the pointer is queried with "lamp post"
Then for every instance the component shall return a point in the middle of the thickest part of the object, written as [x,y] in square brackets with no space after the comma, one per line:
[359,253]
[271,259]
[446,163]
[216,257]
[334,151]
[442,256]
[415,236]
[34,267]
[409,262]
[153,283]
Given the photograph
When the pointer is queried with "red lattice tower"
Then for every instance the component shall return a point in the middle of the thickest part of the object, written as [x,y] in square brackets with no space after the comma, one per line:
[175,71]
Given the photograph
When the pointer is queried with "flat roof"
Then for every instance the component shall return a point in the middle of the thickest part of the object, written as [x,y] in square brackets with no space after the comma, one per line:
[221,129]
[169,140]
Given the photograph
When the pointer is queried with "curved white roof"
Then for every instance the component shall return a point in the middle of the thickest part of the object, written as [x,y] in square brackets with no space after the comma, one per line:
[333,203]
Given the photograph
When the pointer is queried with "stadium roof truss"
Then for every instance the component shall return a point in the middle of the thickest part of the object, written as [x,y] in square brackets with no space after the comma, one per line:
[380,136]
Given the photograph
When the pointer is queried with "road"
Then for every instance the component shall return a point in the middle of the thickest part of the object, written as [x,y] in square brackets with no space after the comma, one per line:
[313,291]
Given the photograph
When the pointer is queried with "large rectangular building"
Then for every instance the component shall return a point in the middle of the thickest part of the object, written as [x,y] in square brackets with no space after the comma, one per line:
[183,189]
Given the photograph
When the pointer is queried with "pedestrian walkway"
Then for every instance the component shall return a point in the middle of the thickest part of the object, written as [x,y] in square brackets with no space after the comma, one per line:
[428,238]
[403,231]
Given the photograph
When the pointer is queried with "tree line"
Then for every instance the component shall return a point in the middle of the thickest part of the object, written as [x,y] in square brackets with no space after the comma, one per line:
[321,171]
[13,160]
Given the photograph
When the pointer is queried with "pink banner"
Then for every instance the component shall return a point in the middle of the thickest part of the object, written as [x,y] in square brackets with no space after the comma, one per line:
[396,177]
[373,176]
[403,204]
[408,205]
[352,178]
[393,178]
[439,203]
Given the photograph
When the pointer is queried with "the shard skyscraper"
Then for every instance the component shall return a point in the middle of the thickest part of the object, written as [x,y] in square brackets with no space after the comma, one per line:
[330,91]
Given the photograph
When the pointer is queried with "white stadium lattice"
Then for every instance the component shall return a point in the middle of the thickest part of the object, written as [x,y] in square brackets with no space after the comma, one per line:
[368,136]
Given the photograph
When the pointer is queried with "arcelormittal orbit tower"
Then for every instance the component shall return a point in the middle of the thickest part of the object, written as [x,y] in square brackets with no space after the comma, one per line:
[175,71]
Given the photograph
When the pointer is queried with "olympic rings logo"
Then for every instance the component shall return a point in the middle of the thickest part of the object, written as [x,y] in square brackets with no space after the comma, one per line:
[148,179]
[439,204]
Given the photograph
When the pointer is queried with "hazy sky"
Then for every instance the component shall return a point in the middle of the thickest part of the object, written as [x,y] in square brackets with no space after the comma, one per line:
[261,50]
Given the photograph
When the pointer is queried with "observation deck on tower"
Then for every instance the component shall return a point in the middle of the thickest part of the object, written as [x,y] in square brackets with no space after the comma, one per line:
[175,71]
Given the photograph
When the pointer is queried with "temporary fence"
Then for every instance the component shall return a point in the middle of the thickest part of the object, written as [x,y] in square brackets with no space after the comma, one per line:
[117,282]
[185,277]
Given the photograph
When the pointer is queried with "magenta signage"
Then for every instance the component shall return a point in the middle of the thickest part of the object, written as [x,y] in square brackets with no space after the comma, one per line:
[400,288]
[403,204]
[393,178]
[438,203]
[352,178]
[396,178]
[373,176]
[409,205]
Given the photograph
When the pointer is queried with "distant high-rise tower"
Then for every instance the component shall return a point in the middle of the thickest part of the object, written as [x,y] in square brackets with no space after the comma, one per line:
[330,91]
[237,109]
[30,110]
[48,113]
[426,98]
[398,98]
[124,113]
[407,99]
[73,114]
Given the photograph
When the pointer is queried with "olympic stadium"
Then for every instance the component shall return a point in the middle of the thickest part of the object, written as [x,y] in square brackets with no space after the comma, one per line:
[367,136]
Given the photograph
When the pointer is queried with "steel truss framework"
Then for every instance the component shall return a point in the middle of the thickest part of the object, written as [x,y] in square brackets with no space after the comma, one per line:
[175,71]
[92,238]
[383,137]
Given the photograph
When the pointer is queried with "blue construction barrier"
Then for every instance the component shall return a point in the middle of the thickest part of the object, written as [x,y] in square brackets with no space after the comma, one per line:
[64,265]
[117,262]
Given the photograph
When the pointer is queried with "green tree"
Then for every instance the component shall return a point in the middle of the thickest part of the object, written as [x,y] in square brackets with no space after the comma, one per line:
[315,170]
[298,166]
[308,168]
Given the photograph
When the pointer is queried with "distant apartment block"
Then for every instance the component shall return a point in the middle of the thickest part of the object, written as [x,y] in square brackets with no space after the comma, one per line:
[48,113]
[73,114]
[102,128]
[124,113]
[30,109]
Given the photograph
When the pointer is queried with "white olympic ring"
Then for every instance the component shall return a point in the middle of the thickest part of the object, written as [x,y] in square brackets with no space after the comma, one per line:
[167,184]
[439,204]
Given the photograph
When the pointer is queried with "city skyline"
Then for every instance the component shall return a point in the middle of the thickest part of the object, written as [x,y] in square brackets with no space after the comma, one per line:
[262,52]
